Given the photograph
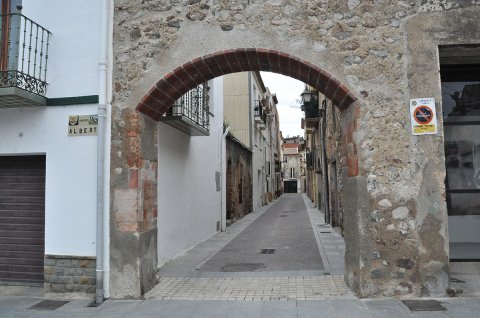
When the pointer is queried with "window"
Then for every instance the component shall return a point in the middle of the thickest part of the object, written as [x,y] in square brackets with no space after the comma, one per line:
[460,75]
[240,191]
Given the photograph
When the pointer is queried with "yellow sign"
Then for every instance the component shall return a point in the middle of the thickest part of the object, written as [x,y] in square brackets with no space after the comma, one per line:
[424,129]
[423,116]
[82,125]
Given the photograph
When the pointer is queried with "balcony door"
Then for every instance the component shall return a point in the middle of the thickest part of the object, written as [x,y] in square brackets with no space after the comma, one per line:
[460,74]
[9,34]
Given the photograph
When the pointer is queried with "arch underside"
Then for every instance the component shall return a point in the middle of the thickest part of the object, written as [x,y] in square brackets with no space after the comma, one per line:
[191,74]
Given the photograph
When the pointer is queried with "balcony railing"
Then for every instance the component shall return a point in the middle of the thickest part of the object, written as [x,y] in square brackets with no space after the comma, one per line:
[190,113]
[259,114]
[24,54]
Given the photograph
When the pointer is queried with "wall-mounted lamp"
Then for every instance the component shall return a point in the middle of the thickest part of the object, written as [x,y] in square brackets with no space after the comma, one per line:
[306,96]
[309,103]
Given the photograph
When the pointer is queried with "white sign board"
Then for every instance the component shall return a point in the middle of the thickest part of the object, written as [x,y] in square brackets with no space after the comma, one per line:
[82,125]
[423,116]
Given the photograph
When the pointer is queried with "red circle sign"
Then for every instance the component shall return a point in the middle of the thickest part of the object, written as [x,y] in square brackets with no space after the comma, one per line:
[423,115]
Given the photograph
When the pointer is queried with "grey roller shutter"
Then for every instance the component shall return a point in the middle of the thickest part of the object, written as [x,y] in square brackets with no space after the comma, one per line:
[22,219]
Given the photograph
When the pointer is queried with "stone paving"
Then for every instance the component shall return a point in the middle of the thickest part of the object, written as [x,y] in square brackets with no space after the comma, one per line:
[247,289]
[21,307]
[184,292]
[185,279]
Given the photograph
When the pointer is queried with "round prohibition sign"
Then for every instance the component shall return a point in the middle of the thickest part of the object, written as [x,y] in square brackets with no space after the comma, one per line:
[423,115]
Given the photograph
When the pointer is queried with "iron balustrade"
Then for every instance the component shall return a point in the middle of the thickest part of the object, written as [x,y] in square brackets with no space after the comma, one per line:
[194,106]
[259,112]
[24,53]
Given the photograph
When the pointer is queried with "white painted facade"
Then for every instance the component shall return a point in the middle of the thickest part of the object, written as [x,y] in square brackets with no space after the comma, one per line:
[74,49]
[259,146]
[71,162]
[70,172]
[187,216]
[273,145]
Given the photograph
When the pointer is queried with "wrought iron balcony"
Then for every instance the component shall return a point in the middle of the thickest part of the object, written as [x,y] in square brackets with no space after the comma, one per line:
[23,61]
[190,113]
[259,115]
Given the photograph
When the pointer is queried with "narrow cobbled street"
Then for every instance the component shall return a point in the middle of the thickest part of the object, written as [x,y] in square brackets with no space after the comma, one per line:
[272,254]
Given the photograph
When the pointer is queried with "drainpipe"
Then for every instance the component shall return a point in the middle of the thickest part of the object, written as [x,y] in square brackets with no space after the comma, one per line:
[102,111]
[326,207]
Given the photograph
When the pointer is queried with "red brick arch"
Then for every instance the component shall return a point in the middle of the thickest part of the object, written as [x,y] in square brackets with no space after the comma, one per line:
[176,83]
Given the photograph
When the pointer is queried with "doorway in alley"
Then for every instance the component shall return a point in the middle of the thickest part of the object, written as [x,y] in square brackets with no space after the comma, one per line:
[290,186]
[460,74]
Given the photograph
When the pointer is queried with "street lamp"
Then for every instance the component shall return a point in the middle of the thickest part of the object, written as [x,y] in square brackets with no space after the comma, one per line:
[306,96]
[309,103]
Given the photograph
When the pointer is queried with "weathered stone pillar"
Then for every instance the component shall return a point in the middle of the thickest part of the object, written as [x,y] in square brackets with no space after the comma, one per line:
[394,214]
[133,234]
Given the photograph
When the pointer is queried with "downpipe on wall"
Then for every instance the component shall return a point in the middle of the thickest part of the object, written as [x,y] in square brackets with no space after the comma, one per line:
[102,225]
[326,207]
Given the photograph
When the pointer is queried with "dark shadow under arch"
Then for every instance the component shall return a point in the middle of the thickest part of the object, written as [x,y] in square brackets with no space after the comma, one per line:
[191,74]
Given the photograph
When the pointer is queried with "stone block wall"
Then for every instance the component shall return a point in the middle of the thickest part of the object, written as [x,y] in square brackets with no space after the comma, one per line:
[133,216]
[240,164]
[69,274]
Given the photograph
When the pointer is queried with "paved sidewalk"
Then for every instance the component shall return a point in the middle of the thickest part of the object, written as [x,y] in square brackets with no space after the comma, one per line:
[254,295]
[20,307]
[283,232]
[224,267]
[246,289]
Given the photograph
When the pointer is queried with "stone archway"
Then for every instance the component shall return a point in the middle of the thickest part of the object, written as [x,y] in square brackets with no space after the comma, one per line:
[185,77]
[139,237]
[386,54]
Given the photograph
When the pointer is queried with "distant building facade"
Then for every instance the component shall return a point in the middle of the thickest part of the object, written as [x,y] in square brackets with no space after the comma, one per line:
[252,118]
[293,166]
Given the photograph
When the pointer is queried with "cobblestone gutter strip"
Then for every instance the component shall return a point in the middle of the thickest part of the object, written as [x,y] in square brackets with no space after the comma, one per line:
[251,289]
[330,243]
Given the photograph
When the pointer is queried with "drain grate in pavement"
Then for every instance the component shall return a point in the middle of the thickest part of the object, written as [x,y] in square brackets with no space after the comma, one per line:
[49,304]
[283,215]
[424,305]
[267,251]
[325,232]
[242,267]
[456,280]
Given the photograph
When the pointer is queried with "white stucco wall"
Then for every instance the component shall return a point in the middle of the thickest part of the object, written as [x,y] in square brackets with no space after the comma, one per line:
[74,49]
[189,206]
[70,172]
[258,166]
[70,207]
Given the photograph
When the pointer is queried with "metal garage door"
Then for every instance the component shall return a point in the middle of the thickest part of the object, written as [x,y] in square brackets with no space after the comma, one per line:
[22,218]
[290,186]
